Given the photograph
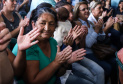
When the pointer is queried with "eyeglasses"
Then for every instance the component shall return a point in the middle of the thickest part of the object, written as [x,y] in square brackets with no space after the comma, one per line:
[84,9]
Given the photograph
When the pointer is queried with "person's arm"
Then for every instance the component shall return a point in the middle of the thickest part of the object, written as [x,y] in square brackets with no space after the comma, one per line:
[109,23]
[23,22]
[18,63]
[35,76]
[21,5]
[24,42]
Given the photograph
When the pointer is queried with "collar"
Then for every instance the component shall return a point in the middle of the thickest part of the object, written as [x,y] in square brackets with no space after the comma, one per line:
[94,19]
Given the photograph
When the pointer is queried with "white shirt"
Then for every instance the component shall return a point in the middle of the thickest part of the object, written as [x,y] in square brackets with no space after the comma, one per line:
[62,31]
[101,36]
[92,36]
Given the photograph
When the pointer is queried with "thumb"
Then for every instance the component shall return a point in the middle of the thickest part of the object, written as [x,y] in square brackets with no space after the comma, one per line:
[58,49]
[21,31]
[70,31]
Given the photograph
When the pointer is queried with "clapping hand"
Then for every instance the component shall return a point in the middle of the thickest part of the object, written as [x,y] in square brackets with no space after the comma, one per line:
[77,55]
[68,40]
[26,41]
[77,31]
[98,25]
[64,55]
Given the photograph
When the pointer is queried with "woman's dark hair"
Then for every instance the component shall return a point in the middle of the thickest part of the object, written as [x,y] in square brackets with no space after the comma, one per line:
[61,3]
[36,13]
[44,4]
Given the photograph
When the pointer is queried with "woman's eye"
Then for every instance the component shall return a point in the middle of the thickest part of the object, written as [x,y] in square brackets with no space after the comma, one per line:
[51,24]
[43,23]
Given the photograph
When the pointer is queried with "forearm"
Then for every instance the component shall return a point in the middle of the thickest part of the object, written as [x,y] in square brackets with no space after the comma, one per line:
[15,32]
[19,63]
[46,73]
[106,30]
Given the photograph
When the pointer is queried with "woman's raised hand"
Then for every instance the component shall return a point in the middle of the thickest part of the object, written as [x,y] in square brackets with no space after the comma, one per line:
[63,56]
[77,55]
[26,41]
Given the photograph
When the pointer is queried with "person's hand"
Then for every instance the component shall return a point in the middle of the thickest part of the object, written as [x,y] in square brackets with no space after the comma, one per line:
[2,26]
[77,31]
[77,55]
[68,40]
[24,22]
[110,22]
[98,25]
[85,30]
[104,14]
[117,20]
[26,41]
[63,56]
[5,38]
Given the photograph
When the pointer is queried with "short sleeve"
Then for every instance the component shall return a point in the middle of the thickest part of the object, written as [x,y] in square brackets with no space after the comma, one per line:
[15,50]
[32,53]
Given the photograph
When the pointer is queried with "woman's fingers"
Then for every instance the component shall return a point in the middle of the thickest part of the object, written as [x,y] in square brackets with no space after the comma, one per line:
[35,42]
[81,55]
[3,33]
[6,38]
[32,31]
[34,37]
[74,28]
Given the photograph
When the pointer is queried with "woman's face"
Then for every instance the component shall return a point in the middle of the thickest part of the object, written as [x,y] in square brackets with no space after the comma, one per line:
[46,24]
[69,8]
[10,4]
[83,11]
[121,5]
[97,11]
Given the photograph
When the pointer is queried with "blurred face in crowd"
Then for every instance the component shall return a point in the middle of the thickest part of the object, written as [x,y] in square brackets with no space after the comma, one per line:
[46,24]
[10,4]
[97,11]
[83,11]
[69,8]
[121,5]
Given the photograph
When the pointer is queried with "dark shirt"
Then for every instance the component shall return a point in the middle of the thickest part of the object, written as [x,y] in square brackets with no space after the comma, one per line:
[117,11]
[12,25]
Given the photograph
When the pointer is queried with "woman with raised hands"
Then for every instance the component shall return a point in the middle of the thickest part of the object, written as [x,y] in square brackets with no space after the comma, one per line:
[12,20]
[45,60]
[10,65]
[95,33]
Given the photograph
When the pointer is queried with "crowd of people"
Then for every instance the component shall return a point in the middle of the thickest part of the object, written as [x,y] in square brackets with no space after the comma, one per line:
[53,42]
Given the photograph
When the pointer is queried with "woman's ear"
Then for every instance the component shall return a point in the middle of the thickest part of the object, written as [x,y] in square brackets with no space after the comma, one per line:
[33,24]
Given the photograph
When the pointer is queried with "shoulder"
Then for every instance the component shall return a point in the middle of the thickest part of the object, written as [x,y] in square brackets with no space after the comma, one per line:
[53,41]
[18,15]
